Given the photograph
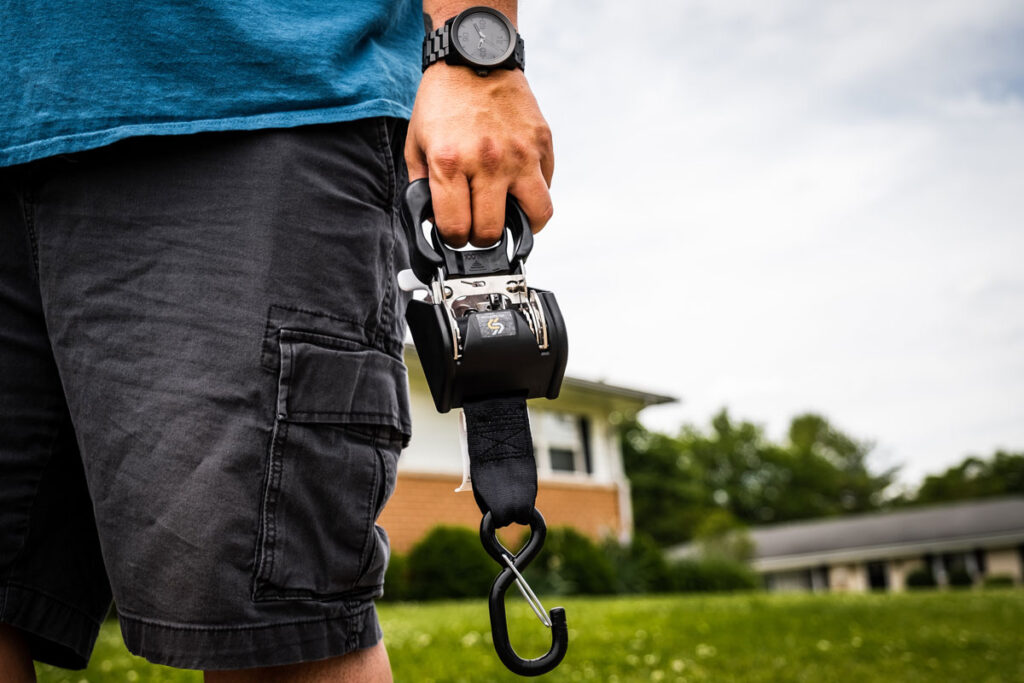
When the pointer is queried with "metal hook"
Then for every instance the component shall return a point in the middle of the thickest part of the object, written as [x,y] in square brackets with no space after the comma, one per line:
[513,564]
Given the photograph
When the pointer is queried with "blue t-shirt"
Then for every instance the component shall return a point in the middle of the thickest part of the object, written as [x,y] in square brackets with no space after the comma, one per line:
[84,73]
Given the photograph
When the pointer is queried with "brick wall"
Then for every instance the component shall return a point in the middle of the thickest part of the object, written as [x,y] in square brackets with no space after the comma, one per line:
[422,501]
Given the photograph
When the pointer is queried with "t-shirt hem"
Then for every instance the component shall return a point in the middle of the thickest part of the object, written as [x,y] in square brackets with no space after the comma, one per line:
[80,142]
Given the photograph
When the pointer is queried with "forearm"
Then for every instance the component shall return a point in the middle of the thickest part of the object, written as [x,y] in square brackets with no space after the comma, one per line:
[436,12]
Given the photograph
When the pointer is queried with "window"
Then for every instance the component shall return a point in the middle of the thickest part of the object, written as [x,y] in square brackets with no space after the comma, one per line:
[878,576]
[563,460]
[566,438]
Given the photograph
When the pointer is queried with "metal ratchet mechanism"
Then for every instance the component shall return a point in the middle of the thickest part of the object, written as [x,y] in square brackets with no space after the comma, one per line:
[482,331]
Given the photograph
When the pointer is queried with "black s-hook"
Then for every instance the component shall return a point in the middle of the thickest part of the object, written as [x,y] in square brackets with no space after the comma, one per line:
[512,566]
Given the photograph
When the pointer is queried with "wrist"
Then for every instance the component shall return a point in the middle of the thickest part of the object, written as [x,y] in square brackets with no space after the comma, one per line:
[480,37]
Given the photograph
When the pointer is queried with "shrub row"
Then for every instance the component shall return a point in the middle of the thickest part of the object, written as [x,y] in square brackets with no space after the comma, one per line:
[923,577]
[450,563]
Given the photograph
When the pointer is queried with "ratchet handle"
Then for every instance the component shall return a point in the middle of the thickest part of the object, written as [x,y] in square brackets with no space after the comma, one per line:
[426,257]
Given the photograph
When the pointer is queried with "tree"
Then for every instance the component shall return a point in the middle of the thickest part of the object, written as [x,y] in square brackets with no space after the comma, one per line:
[669,498]
[679,481]
[1002,474]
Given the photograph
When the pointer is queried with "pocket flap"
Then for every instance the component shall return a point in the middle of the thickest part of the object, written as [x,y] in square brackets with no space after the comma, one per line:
[333,380]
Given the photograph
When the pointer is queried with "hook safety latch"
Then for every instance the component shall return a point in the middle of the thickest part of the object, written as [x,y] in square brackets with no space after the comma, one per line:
[512,566]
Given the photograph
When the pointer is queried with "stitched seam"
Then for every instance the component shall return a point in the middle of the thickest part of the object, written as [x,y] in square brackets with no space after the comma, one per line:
[28,215]
[41,593]
[275,594]
[371,500]
[240,627]
[353,413]
[384,148]
[269,332]
[260,518]
[391,281]
[263,568]
[327,340]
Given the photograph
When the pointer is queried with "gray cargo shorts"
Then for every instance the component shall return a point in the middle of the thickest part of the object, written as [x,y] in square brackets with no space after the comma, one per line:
[202,394]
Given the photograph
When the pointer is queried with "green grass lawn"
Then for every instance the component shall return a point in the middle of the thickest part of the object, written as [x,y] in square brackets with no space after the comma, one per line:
[935,636]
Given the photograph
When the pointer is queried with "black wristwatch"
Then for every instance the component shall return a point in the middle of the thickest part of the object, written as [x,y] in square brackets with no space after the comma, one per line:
[481,38]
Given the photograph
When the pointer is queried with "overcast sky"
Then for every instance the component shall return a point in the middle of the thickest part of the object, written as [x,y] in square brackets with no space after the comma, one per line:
[781,206]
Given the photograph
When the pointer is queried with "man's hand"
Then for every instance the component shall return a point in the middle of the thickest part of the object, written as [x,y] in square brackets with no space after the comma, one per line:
[476,139]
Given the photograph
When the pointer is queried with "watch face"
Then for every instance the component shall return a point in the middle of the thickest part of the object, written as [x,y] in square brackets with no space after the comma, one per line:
[483,37]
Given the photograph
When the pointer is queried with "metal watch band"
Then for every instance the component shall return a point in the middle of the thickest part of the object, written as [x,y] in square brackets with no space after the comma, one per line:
[436,47]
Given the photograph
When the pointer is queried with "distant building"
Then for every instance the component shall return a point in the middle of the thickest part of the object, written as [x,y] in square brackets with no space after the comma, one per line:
[877,551]
[581,482]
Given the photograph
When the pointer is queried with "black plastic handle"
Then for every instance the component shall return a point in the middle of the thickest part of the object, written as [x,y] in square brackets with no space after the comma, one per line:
[425,258]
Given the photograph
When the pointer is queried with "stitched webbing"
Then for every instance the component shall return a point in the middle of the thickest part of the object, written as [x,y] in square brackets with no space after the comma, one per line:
[501,462]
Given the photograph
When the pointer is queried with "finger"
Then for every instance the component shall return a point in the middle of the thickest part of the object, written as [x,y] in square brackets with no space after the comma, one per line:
[415,158]
[488,211]
[452,214]
[534,199]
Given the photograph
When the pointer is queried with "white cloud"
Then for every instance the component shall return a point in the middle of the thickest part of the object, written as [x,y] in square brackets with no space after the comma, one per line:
[783,206]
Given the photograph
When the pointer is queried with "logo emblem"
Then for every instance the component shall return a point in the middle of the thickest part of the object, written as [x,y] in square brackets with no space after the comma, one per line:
[496,324]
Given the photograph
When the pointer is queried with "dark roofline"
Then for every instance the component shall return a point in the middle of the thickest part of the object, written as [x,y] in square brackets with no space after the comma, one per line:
[645,397]
[949,527]
[894,514]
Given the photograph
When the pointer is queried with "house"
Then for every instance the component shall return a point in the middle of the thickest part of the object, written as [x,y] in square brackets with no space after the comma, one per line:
[581,482]
[878,551]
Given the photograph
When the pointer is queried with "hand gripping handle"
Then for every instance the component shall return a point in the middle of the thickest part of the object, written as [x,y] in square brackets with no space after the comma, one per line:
[425,258]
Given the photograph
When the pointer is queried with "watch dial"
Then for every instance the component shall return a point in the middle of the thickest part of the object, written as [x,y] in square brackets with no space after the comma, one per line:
[483,37]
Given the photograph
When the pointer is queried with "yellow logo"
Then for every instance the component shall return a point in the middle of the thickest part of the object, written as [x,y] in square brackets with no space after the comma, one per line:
[495,325]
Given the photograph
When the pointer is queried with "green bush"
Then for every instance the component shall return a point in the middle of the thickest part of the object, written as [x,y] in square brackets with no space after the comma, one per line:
[449,562]
[921,577]
[959,578]
[570,564]
[639,566]
[711,575]
[396,579]
[999,581]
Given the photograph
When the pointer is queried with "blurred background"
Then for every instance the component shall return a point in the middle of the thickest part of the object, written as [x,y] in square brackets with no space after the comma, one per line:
[789,206]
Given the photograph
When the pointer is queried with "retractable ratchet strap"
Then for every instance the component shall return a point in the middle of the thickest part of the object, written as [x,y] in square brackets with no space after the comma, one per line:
[487,343]
[501,464]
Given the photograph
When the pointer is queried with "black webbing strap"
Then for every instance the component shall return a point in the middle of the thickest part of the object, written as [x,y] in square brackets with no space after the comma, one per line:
[501,463]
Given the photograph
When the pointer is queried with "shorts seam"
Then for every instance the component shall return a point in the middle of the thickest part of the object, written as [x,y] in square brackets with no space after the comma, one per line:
[353,413]
[28,216]
[371,500]
[243,627]
[267,357]
[384,142]
[8,584]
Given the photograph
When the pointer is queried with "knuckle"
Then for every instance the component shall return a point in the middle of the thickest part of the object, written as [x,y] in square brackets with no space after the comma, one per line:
[459,227]
[454,234]
[489,154]
[542,137]
[520,153]
[485,237]
[446,161]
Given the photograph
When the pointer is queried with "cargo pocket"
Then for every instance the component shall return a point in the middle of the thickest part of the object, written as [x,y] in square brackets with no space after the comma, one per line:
[341,419]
